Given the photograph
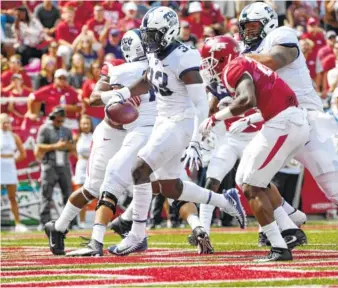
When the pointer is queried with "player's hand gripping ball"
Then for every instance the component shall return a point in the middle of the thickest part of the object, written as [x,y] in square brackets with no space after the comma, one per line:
[122,112]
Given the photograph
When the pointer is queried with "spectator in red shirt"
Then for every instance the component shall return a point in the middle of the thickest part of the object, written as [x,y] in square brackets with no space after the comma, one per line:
[96,113]
[112,11]
[97,23]
[195,20]
[326,60]
[315,34]
[66,32]
[129,22]
[83,10]
[57,94]
[17,109]
[211,13]
[306,47]
[15,68]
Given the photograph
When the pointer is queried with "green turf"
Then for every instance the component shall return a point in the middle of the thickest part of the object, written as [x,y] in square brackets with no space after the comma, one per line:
[45,278]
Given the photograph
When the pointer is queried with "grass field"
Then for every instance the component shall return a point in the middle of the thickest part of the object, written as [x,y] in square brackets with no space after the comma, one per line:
[171,262]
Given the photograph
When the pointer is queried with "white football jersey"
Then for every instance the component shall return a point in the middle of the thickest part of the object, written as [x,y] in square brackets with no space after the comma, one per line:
[126,75]
[165,72]
[296,74]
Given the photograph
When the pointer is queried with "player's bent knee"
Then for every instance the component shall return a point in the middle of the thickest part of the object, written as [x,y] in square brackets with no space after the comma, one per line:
[171,188]
[107,199]
[141,172]
[212,184]
[250,192]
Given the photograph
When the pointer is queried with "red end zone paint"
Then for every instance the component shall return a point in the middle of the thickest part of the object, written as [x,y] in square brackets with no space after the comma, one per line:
[235,265]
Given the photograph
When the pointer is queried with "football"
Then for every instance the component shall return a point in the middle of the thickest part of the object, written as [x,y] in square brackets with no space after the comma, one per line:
[121,113]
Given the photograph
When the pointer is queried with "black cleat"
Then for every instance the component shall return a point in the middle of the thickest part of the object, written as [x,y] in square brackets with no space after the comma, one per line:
[276,254]
[92,248]
[203,241]
[121,226]
[56,239]
[294,237]
[263,240]
[192,240]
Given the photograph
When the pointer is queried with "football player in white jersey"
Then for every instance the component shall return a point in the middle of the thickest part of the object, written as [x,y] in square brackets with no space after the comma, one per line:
[173,72]
[117,177]
[278,48]
[107,140]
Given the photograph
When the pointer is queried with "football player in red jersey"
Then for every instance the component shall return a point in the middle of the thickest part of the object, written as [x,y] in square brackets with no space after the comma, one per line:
[285,131]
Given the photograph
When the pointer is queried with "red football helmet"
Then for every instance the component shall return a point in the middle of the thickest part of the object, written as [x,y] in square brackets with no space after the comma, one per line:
[217,52]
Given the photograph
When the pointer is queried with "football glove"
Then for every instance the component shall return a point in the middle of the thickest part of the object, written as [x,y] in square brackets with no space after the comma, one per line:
[207,125]
[192,156]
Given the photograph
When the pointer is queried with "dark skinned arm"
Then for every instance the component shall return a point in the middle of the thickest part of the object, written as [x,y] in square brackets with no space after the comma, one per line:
[277,58]
[213,106]
[245,99]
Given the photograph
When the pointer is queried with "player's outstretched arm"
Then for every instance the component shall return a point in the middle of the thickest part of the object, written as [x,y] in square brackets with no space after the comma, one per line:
[278,57]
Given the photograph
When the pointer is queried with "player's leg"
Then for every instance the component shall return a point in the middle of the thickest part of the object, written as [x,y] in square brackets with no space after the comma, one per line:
[264,157]
[222,161]
[116,181]
[101,151]
[319,155]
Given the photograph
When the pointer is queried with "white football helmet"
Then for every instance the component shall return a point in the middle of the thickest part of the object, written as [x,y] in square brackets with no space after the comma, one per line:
[131,46]
[160,27]
[257,12]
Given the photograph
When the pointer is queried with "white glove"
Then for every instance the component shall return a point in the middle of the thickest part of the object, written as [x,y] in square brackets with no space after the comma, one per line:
[207,125]
[192,156]
[114,99]
[120,95]
[225,102]
[241,124]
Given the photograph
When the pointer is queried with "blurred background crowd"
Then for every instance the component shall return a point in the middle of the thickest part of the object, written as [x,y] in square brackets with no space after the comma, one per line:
[53,50]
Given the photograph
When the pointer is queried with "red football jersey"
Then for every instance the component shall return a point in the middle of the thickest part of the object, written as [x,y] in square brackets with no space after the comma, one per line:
[273,95]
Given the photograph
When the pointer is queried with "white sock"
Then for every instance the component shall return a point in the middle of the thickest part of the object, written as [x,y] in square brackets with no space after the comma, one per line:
[206,211]
[128,213]
[193,221]
[98,232]
[298,217]
[283,220]
[68,214]
[272,233]
[287,207]
[194,193]
[142,195]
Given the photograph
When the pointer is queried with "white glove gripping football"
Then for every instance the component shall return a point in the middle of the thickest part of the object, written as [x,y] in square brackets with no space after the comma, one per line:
[207,125]
[192,156]
[240,125]
[120,95]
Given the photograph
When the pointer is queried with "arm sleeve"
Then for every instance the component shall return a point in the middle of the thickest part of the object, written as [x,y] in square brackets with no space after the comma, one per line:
[200,99]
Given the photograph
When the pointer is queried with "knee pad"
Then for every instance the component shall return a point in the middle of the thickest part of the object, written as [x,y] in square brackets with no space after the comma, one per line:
[328,182]
[106,203]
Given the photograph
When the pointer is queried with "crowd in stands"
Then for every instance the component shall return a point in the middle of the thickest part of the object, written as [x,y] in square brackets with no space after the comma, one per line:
[52,51]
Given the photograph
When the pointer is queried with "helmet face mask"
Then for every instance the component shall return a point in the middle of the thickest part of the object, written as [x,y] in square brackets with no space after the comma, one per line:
[159,28]
[217,52]
[256,13]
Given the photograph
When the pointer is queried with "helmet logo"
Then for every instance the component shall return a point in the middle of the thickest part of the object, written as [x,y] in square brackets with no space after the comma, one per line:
[217,47]
[170,17]
[126,42]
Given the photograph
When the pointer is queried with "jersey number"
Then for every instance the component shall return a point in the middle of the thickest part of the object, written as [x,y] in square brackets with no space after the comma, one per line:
[162,80]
